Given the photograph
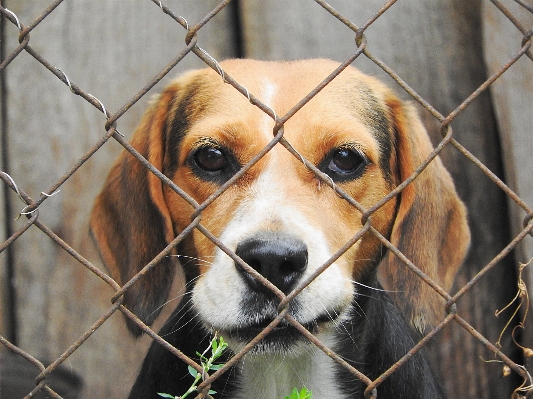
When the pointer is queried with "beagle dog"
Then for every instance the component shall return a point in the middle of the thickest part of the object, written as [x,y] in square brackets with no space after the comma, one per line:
[283,220]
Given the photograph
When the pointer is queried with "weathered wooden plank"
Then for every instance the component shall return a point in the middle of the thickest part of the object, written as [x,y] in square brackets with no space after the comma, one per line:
[436,48]
[4,319]
[512,97]
[109,49]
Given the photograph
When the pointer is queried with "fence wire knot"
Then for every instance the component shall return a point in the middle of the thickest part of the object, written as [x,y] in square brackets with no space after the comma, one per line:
[527,220]
[19,193]
[527,37]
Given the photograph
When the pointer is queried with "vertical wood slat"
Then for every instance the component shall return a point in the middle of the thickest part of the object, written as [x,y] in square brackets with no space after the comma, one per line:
[4,311]
[111,50]
[512,97]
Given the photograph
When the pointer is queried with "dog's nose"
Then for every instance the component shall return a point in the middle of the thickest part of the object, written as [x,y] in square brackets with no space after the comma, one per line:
[280,258]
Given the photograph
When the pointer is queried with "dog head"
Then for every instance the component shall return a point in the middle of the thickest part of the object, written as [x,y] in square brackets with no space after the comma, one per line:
[279,217]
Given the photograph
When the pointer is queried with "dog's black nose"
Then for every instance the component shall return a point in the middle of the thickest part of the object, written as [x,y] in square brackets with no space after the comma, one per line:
[280,258]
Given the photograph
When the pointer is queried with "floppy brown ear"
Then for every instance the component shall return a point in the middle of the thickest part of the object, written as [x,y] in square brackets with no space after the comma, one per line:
[130,221]
[430,228]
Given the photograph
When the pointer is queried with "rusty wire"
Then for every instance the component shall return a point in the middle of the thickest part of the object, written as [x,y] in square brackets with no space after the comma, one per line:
[31,208]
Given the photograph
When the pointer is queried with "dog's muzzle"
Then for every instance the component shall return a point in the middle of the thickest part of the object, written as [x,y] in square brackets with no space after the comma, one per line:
[282,259]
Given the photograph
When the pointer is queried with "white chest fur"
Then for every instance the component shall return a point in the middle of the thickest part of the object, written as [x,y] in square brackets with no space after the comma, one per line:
[274,376]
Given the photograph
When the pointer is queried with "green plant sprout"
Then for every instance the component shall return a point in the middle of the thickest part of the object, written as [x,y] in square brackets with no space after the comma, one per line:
[303,394]
[217,348]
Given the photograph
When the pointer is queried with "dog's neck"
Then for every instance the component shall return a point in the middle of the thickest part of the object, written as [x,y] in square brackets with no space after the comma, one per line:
[274,376]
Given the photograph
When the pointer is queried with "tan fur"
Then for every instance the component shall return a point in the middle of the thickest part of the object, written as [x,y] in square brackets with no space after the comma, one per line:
[430,228]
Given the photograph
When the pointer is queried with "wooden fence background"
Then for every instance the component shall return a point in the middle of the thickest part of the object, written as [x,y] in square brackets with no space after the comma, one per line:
[443,49]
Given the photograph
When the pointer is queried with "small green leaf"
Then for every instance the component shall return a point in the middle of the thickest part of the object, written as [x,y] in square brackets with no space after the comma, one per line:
[293,394]
[166,395]
[192,371]
[303,394]
[217,347]
[211,392]
[222,344]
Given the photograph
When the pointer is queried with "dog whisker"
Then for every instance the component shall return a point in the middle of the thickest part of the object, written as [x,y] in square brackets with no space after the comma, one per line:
[180,294]
[192,258]
[371,288]
[193,322]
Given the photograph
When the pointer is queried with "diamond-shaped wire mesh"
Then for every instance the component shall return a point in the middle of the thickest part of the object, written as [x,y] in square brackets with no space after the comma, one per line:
[37,219]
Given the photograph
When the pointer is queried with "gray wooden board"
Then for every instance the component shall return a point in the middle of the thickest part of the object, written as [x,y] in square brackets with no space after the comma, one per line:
[4,324]
[111,50]
[513,102]
[512,97]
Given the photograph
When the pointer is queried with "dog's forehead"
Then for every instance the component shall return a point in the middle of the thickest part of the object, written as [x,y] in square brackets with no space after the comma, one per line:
[352,102]
[281,85]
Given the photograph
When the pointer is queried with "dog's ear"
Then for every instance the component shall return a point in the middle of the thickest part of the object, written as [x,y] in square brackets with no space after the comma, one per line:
[130,221]
[430,228]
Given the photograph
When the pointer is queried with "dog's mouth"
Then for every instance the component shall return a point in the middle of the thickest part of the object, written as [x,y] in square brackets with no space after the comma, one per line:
[284,336]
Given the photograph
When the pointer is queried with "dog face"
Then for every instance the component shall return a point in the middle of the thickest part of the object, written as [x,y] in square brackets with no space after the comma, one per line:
[279,217]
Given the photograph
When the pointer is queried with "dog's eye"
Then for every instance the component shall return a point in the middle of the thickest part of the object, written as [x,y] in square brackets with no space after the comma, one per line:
[345,164]
[213,162]
[210,159]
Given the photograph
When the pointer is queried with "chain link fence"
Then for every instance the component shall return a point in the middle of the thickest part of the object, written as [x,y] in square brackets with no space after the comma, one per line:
[190,35]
